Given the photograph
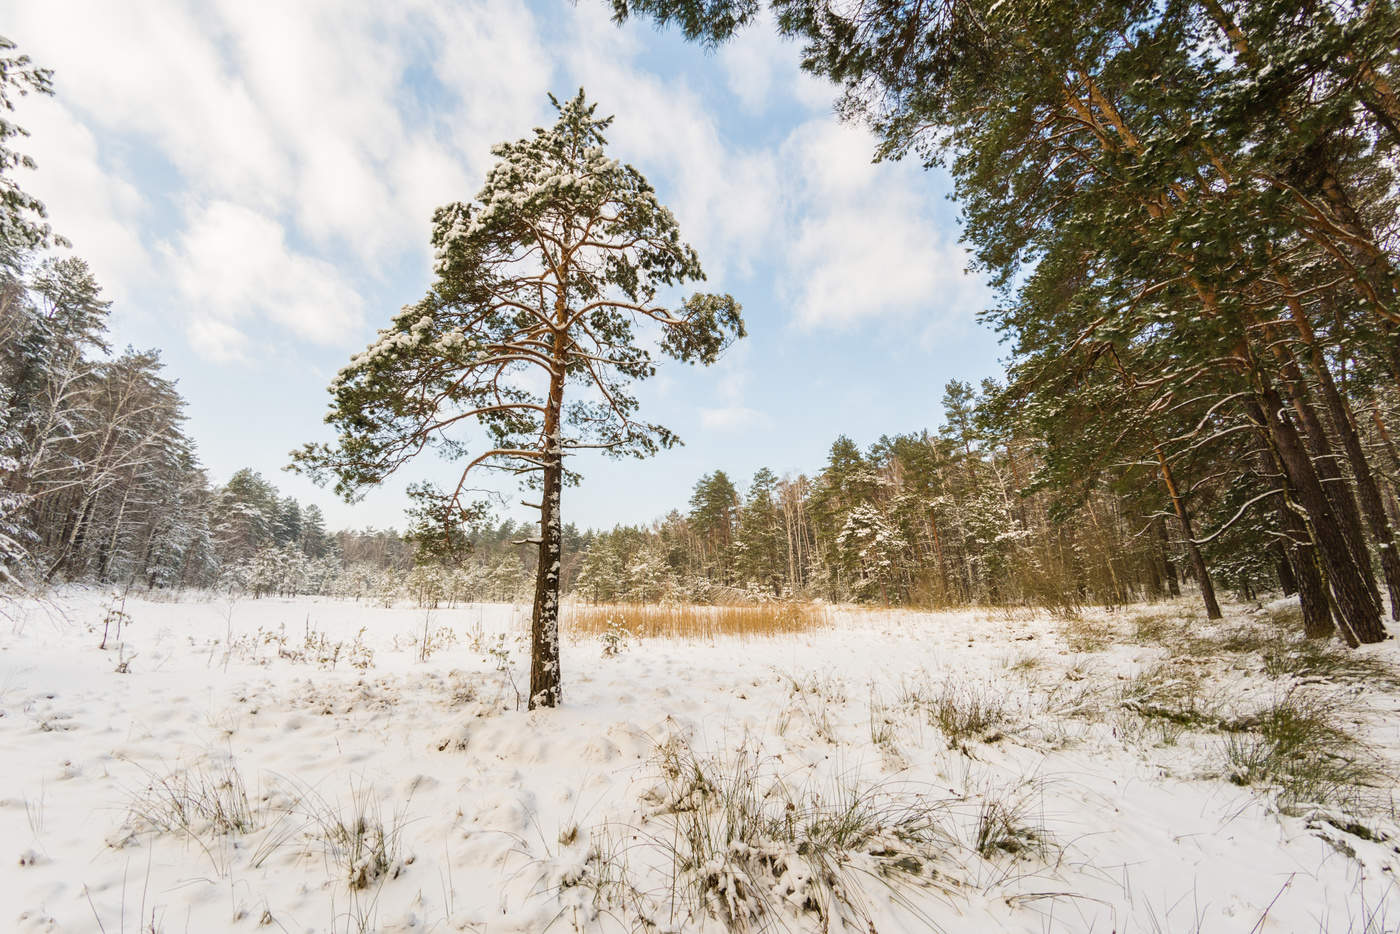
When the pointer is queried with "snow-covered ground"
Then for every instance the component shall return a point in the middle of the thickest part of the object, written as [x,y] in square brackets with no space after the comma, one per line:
[899,771]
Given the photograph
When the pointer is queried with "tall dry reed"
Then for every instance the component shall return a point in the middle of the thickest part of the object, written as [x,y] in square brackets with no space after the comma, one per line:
[684,621]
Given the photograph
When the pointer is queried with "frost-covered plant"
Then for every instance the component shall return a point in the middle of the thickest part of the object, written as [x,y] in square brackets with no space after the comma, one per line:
[499,654]
[745,846]
[1086,634]
[882,724]
[358,842]
[1297,747]
[114,619]
[204,799]
[811,697]
[1005,825]
[1170,693]
[962,711]
[360,655]
[614,638]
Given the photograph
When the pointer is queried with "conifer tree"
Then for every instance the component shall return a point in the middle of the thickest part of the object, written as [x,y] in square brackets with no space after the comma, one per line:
[23,227]
[542,283]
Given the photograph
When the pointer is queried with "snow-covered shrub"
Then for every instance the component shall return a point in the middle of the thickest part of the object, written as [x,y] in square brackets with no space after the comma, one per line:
[614,638]
[747,847]
[428,584]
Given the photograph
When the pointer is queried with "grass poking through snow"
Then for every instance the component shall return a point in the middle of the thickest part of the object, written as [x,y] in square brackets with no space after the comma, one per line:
[1296,746]
[208,798]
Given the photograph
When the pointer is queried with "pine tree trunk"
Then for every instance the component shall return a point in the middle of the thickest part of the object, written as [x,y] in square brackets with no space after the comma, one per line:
[67,556]
[1299,564]
[1307,573]
[545,683]
[545,680]
[1164,555]
[1379,97]
[1360,613]
[1392,461]
[1287,580]
[942,563]
[1367,490]
[1334,485]
[1197,561]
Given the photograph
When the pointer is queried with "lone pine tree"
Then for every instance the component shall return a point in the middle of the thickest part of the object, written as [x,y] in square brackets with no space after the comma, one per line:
[541,284]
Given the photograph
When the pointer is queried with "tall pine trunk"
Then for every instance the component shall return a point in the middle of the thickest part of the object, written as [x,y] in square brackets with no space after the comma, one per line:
[1299,565]
[1164,555]
[1368,491]
[1198,561]
[546,688]
[1359,613]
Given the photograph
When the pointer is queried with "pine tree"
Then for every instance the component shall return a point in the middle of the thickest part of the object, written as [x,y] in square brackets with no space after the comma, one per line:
[760,543]
[22,216]
[714,516]
[548,272]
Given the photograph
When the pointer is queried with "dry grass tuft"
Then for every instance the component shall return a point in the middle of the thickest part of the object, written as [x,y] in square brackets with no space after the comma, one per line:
[746,846]
[1326,661]
[1297,746]
[1083,634]
[961,710]
[207,798]
[684,621]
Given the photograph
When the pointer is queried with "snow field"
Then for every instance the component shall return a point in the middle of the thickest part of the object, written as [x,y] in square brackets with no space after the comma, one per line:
[309,765]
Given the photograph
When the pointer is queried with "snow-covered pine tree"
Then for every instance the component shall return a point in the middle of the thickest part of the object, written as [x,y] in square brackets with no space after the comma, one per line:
[22,216]
[541,285]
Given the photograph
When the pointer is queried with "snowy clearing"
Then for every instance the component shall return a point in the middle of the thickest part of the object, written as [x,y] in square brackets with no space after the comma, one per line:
[311,765]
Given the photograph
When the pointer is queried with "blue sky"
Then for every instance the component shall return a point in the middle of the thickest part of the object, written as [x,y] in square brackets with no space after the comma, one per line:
[253,181]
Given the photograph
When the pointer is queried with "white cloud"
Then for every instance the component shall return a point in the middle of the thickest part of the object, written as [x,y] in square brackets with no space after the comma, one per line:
[725,197]
[863,243]
[335,126]
[318,136]
[232,263]
[100,213]
[751,63]
[761,69]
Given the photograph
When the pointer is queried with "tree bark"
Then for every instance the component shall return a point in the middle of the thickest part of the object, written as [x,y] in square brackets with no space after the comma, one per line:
[1329,473]
[1298,562]
[546,683]
[1168,566]
[1184,517]
[1367,490]
[1308,575]
[1287,580]
[1359,612]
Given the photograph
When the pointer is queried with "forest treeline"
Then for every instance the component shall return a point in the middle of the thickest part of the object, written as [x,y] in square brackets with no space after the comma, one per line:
[99,481]
[967,514]
[932,519]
